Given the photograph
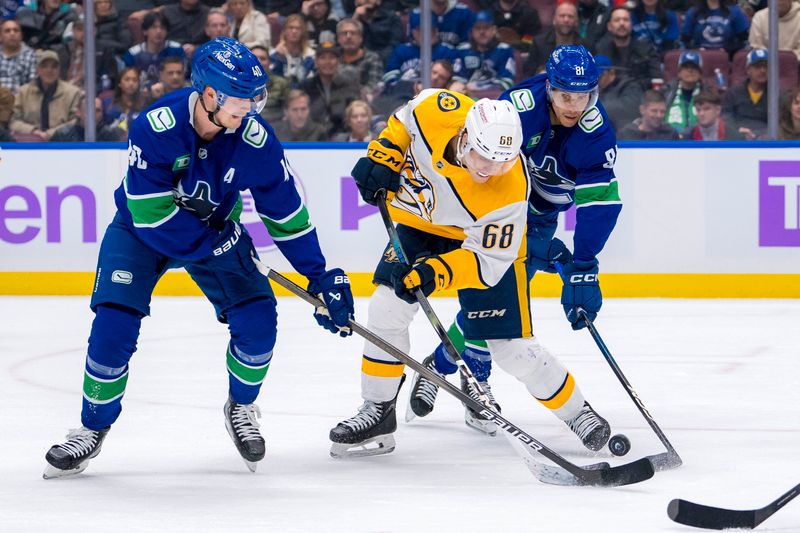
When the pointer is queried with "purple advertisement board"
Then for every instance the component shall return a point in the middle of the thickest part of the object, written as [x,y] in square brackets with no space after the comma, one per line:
[778,202]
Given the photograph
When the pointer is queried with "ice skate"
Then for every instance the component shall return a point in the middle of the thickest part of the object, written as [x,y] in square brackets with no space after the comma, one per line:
[423,392]
[242,424]
[72,457]
[474,419]
[591,428]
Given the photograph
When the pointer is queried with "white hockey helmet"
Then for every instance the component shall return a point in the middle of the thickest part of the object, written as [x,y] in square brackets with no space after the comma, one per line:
[493,139]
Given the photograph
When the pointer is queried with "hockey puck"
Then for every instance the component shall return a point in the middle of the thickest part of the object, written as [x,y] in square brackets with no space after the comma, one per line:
[619,444]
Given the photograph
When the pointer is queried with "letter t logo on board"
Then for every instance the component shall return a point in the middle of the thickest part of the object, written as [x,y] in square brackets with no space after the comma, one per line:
[779,203]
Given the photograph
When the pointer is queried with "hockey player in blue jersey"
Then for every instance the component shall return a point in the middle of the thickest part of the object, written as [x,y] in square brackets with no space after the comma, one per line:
[570,149]
[190,154]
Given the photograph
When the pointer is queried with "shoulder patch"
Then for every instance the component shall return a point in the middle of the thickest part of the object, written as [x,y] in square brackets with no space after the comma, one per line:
[522,100]
[591,120]
[447,101]
[161,119]
[254,134]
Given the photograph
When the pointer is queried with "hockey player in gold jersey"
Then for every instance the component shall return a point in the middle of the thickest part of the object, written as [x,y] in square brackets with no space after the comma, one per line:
[460,200]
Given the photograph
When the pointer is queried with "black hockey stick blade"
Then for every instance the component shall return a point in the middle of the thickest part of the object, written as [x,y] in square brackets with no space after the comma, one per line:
[565,473]
[707,517]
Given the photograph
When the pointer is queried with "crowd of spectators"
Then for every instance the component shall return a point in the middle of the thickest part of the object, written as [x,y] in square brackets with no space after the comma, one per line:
[339,68]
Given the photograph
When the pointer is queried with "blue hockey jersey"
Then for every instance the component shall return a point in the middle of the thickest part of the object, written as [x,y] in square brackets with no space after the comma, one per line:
[405,60]
[454,25]
[569,166]
[179,187]
[494,68]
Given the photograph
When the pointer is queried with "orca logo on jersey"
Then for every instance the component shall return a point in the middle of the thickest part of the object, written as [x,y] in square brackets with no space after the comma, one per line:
[448,102]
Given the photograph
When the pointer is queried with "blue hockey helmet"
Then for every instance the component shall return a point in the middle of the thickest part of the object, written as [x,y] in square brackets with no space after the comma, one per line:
[234,72]
[571,69]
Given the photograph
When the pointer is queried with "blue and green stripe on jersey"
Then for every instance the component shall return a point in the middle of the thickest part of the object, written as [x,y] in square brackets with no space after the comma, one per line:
[290,227]
[150,210]
[249,374]
[597,194]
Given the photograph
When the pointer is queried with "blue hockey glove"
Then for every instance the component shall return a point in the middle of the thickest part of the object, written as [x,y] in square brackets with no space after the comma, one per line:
[232,250]
[406,278]
[372,177]
[581,290]
[543,255]
[333,287]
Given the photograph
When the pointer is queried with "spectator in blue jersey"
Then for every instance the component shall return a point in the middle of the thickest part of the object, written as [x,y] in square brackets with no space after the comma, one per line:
[452,20]
[570,151]
[485,65]
[653,22]
[650,125]
[395,96]
[564,31]
[186,20]
[8,9]
[44,25]
[639,58]
[293,56]
[189,159]
[619,93]
[592,20]
[383,29]
[745,105]
[17,59]
[404,62]
[147,56]
[715,24]
[128,100]
[680,94]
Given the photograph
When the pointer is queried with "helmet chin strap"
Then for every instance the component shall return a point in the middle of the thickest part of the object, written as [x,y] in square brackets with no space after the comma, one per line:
[212,115]
[459,149]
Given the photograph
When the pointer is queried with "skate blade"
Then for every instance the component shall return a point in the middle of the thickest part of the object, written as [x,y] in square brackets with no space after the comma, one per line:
[383,444]
[51,472]
[251,465]
[410,414]
[486,427]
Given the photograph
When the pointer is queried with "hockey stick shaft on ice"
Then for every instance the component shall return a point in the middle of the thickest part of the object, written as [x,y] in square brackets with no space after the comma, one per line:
[707,517]
[662,461]
[564,474]
[624,474]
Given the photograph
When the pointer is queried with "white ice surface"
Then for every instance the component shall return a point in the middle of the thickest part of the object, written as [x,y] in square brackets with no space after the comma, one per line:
[721,377]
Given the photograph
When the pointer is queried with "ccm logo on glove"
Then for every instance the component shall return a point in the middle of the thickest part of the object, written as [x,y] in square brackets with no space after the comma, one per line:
[585,278]
[231,242]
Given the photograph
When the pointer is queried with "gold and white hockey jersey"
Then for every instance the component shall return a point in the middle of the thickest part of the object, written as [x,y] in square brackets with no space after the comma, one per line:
[441,198]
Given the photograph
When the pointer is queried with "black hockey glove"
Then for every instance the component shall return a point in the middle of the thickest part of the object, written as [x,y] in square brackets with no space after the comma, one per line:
[406,278]
[544,255]
[581,290]
[333,287]
[372,177]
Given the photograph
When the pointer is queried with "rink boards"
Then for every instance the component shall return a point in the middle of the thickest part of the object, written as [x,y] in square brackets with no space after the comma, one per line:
[698,219]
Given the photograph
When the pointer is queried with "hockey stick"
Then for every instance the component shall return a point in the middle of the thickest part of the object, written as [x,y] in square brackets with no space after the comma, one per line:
[662,461]
[601,474]
[696,515]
